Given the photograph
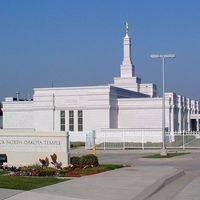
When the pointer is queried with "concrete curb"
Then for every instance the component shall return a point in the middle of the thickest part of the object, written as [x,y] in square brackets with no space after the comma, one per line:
[159,185]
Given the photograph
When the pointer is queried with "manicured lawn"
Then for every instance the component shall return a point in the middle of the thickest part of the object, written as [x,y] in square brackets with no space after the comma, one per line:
[101,168]
[26,183]
[169,155]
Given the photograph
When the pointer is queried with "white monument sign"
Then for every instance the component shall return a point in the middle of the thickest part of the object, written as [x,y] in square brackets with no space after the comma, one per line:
[24,148]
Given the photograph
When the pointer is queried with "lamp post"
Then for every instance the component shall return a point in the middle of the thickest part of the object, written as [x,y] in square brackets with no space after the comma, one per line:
[163,56]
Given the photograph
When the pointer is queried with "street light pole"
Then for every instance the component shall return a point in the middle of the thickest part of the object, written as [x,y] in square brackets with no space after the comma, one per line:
[163,56]
[163,108]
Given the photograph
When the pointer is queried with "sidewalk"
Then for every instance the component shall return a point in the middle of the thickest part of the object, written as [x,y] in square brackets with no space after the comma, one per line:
[126,183]
[6,193]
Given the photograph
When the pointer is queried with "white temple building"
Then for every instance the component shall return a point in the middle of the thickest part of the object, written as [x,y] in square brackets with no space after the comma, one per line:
[126,104]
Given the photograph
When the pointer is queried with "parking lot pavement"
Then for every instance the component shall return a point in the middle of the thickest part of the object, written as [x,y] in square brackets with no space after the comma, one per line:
[191,191]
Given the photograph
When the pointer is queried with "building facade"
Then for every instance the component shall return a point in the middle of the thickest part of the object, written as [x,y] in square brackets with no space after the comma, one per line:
[126,104]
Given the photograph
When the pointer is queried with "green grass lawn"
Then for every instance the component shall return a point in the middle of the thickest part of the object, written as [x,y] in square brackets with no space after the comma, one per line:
[27,183]
[169,155]
[101,168]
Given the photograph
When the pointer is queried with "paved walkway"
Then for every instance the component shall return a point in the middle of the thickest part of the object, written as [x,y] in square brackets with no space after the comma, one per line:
[6,193]
[126,183]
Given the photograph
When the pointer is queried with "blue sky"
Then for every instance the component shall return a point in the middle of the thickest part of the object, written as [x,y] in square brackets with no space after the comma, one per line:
[79,42]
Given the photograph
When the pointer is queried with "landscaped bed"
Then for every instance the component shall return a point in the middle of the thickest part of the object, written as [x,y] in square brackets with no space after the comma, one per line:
[35,176]
[70,171]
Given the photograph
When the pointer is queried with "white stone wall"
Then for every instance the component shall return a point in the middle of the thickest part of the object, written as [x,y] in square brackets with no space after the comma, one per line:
[148,88]
[43,120]
[140,113]
[93,101]
[18,115]
[127,83]
[96,119]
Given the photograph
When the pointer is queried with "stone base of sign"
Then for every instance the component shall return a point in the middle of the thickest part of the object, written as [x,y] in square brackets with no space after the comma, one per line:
[27,147]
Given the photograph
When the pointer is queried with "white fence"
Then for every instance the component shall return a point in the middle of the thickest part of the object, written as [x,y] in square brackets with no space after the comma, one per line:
[120,138]
[136,139]
[127,138]
[77,137]
[185,140]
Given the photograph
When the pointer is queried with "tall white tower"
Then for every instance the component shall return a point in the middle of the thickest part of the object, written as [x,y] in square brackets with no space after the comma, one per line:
[128,80]
[127,68]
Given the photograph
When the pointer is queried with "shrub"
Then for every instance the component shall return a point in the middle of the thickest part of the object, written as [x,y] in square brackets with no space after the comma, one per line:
[35,166]
[61,172]
[47,172]
[75,161]
[44,162]
[89,161]
[55,162]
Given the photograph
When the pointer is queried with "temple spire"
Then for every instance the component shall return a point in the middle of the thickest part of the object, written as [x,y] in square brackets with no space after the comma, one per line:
[127,68]
[126,27]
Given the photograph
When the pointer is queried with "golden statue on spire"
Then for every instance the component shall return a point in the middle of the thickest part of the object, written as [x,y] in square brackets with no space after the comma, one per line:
[126,27]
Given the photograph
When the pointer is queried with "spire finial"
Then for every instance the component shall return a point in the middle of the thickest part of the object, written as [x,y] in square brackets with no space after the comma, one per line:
[126,27]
